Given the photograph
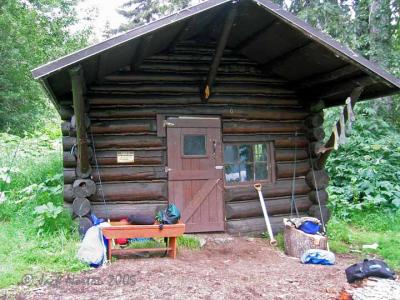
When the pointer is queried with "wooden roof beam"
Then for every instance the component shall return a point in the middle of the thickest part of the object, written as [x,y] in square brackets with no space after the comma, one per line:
[228,23]
[248,41]
[268,67]
[78,85]
[343,86]
[318,79]
[141,50]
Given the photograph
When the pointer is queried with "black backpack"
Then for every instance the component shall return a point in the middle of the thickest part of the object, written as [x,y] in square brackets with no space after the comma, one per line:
[367,268]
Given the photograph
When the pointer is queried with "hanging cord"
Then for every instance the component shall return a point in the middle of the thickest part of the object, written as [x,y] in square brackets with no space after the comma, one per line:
[316,191]
[98,173]
[293,199]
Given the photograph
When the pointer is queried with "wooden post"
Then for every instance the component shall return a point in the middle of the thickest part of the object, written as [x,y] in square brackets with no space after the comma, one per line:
[355,94]
[206,92]
[78,89]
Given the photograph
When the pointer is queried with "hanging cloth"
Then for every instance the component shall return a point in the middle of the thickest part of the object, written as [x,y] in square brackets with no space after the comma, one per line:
[350,116]
[335,137]
[342,133]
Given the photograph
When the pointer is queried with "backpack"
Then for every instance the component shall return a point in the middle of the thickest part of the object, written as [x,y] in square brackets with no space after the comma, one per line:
[367,268]
[170,215]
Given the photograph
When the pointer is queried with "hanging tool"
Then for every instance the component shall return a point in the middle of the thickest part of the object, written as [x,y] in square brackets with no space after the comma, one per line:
[272,241]
[293,204]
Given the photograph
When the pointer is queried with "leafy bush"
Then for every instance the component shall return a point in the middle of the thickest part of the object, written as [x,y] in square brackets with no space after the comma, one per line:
[365,172]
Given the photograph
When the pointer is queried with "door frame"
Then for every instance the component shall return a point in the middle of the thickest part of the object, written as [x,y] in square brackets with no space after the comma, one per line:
[206,121]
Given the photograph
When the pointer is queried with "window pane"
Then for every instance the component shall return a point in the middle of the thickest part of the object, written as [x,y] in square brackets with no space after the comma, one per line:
[245,153]
[261,171]
[246,172]
[230,153]
[232,173]
[194,145]
[260,152]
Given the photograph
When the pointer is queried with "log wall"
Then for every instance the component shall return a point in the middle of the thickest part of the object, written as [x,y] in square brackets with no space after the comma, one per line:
[123,111]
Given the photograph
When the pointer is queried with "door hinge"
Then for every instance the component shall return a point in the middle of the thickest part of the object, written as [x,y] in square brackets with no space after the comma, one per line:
[167,169]
[219,167]
[166,123]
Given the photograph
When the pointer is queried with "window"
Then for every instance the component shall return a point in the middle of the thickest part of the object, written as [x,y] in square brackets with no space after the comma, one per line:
[194,145]
[247,162]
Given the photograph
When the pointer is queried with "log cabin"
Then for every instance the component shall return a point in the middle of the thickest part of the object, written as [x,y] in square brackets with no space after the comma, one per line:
[196,107]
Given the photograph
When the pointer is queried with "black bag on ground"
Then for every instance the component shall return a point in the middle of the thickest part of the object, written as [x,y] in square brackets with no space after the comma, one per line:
[141,220]
[369,268]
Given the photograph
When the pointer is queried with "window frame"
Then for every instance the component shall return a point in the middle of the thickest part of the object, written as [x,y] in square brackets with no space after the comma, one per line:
[183,155]
[270,165]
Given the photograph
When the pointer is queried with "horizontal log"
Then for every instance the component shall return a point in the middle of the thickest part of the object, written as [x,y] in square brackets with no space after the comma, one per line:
[234,112]
[120,174]
[142,157]
[315,134]
[319,179]
[254,225]
[96,100]
[280,188]
[178,88]
[117,211]
[81,207]
[289,154]
[322,195]
[236,127]
[124,126]
[315,211]
[128,191]
[280,140]
[252,208]
[200,68]
[193,77]
[314,120]
[285,170]
[120,142]
[66,112]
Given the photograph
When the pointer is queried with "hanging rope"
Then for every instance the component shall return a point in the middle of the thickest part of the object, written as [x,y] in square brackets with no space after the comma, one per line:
[293,199]
[98,173]
[316,190]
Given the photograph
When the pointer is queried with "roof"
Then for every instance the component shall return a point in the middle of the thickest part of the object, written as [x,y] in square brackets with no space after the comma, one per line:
[315,64]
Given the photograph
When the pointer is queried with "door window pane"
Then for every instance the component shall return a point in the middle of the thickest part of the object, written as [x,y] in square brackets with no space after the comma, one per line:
[194,145]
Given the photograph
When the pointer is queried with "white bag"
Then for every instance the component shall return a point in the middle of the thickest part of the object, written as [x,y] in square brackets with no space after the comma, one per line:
[92,250]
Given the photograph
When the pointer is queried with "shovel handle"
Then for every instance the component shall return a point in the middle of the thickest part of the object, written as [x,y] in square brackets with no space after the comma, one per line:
[258,187]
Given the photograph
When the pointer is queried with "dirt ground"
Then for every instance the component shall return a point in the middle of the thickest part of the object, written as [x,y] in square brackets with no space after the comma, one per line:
[226,267]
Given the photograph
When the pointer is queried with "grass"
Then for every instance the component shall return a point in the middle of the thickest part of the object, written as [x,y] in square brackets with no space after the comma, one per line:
[185,241]
[365,228]
[31,243]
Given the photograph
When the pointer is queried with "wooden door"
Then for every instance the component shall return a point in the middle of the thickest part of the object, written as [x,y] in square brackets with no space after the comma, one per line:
[195,171]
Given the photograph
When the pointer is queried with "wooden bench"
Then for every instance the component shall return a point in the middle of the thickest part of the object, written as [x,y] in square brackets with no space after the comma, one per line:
[120,230]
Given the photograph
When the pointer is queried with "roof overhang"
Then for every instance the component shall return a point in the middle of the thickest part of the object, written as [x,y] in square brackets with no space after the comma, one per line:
[316,65]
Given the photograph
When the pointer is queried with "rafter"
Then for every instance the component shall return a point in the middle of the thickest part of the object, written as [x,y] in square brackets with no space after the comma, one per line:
[141,51]
[248,41]
[228,23]
[268,67]
[325,77]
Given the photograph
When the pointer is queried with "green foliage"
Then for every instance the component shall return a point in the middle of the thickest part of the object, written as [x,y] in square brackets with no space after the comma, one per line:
[365,172]
[32,32]
[139,12]
[35,231]
[366,228]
